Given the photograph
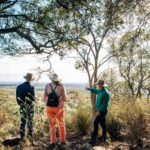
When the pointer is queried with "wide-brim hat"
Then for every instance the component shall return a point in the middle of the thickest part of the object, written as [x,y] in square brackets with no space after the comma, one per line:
[29,76]
[100,82]
[54,77]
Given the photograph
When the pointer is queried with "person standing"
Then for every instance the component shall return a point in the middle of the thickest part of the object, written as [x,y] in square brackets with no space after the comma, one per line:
[25,95]
[54,97]
[102,106]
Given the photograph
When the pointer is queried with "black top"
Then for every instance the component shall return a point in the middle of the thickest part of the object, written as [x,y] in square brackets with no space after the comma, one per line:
[25,93]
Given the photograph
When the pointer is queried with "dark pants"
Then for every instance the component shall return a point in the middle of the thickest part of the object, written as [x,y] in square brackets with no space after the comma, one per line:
[102,120]
[26,114]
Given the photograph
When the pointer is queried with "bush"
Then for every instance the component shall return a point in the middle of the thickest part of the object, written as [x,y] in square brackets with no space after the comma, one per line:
[136,127]
[78,113]
[114,127]
[81,121]
[79,118]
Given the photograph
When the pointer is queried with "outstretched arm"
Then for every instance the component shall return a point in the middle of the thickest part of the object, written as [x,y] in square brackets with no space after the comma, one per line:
[93,90]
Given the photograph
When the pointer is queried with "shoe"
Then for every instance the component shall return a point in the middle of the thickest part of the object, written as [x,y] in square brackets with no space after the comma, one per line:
[91,142]
[104,140]
[107,141]
[61,145]
[100,138]
[51,146]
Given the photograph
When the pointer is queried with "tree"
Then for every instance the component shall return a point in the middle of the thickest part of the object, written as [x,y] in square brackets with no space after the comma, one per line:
[133,60]
[99,21]
[63,26]
[118,87]
[33,26]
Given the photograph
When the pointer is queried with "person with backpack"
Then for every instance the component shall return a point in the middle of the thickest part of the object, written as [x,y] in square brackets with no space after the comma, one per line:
[25,96]
[54,97]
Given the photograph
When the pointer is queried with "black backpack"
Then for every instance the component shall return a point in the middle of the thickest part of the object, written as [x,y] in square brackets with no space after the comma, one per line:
[53,99]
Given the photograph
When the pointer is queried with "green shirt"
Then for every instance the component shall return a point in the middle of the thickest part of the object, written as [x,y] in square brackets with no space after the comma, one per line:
[103,99]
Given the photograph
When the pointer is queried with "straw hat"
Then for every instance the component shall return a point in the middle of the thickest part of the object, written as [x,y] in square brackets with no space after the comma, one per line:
[29,77]
[54,77]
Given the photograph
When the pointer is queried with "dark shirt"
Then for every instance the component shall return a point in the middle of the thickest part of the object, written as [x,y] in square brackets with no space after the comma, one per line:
[25,93]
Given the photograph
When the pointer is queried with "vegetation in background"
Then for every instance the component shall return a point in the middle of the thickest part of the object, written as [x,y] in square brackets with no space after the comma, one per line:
[95,31]
[136,125]
[125,119]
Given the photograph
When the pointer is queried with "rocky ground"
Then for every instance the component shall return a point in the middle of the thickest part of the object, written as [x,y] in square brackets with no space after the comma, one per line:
[75,142]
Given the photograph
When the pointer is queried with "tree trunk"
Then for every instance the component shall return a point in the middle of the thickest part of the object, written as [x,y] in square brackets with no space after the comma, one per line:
[93,96]
[93,100]
[139,95]
[132,90]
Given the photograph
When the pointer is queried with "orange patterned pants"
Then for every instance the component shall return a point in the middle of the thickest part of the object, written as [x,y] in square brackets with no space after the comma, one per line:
[56,115]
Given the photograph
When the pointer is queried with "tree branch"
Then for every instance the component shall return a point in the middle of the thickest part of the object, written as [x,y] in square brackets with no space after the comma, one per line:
[28,38]
[10,5]
[62,5]
[9,30]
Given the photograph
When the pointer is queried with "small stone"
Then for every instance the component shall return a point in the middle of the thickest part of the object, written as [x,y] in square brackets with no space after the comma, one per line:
[98,148]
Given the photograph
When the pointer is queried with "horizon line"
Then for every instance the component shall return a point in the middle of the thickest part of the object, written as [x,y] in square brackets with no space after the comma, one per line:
[11,82]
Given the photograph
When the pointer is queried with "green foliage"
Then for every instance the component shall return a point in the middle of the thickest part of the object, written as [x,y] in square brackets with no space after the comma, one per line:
[131,54]
[38,24]
[49,23]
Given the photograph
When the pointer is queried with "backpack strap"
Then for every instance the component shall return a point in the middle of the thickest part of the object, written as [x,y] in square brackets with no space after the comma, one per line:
[52,88]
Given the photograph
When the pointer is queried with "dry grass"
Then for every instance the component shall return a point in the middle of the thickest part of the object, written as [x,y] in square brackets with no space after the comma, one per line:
[124,116]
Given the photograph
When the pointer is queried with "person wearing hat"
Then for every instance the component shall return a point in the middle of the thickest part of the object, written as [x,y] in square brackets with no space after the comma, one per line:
[102,106]
[25,95]
[54,97]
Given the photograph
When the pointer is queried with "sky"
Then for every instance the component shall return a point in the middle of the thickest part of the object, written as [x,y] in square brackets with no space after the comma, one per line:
[12,69]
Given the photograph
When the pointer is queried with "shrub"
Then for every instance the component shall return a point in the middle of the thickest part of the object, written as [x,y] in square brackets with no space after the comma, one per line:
[136,127]
[114,127]
[82,121]
[78,113]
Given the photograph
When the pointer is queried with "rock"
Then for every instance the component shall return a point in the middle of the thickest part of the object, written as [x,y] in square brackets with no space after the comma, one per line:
[85,146]
[100,148]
